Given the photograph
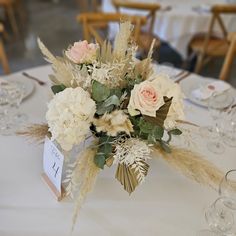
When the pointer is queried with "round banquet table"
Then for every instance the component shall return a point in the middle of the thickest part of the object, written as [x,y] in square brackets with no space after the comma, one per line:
[178,25]
[167,203]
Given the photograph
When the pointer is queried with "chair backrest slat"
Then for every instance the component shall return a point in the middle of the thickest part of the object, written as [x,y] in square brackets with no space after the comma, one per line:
[151,8]
[216,18]
[92,22]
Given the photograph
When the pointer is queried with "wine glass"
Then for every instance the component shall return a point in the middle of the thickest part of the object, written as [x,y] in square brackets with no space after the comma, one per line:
[219,217]
[16,97]
[4,109]
[11,95]
[227,189]
[229,128]
[218,104]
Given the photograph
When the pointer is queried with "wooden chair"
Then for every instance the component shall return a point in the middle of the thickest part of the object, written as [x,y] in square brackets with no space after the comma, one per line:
[228,61]
[147,36]
[8,6]
[3,57]
[86,6]
[92,21]
[207,46]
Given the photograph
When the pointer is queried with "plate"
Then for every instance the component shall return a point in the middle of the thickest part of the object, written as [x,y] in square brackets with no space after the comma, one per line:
[26,84]
[194,82]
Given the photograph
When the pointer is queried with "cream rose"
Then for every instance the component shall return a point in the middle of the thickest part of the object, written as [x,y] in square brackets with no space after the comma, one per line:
[145,98]
[171,89]
[82,52]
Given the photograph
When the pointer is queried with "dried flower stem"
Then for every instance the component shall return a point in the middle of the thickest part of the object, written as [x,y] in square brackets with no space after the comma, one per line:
[37,132]
[191,165]
[85,175]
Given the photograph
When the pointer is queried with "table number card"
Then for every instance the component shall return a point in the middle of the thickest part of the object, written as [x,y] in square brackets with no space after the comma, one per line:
[52,165]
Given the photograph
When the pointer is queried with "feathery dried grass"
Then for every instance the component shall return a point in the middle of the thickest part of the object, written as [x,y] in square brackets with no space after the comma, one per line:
[36,132]
[63,69]
[85,175]
[192,165]
[122,40]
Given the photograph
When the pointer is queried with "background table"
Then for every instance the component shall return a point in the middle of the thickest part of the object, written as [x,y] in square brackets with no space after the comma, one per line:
[166,204]
[178,25]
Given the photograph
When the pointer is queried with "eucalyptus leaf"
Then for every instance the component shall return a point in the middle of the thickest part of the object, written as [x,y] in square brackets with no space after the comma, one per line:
[117,92]
[100,92]
[145,126]
[158,132]
[100,160]
[165,147]
[102,109]
[175,132]
[106,149]
[151,139]
[58,88]
[113,100]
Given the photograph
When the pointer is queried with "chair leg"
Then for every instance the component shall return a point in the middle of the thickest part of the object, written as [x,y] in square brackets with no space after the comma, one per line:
[3,59]
[199,63]
[12,19]
[225,71]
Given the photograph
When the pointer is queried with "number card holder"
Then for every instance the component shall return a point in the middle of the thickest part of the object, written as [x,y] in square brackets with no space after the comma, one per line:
[53,161]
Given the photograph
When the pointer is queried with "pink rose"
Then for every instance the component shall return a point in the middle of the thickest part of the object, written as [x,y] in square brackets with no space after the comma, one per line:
[82,52]
[146,98]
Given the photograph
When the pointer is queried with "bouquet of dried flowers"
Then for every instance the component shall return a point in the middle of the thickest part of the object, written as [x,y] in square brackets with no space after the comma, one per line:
[105,92]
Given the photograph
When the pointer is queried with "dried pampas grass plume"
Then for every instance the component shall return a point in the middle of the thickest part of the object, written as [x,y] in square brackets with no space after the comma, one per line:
[192,165]
[35,132]
[84,177]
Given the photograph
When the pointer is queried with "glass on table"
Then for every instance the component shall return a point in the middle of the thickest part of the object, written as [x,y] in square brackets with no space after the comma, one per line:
[219,217]
[229,128]
[16,97]
[11,95]
[4,108]
[227,189]
[218,105]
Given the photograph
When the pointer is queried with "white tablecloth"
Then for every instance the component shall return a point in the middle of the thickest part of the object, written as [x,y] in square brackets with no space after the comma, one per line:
[180,24]
[166,204]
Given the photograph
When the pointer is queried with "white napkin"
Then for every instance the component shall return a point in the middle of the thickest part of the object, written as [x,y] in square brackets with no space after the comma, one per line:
[207,90]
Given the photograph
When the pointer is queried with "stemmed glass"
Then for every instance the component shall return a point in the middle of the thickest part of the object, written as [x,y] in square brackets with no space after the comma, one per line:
[16,97]
[4,108]
[227,189]
[11,95]
[219,217]
[229,128]
[218,104]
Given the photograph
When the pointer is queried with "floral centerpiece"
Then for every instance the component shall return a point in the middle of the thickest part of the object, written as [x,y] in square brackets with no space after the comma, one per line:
[131,112]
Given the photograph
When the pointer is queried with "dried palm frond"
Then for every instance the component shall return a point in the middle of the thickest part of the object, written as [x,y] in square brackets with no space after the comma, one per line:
[191,165]
[36,132]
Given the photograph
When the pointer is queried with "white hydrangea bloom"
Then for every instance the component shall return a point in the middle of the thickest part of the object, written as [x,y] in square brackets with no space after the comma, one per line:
[69,115]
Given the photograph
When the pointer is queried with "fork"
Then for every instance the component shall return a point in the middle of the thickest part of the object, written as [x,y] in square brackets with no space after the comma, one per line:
[33,78]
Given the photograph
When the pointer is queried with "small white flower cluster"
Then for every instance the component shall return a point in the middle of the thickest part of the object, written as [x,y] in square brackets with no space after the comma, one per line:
[130,150]
[69,116]
[133,153]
